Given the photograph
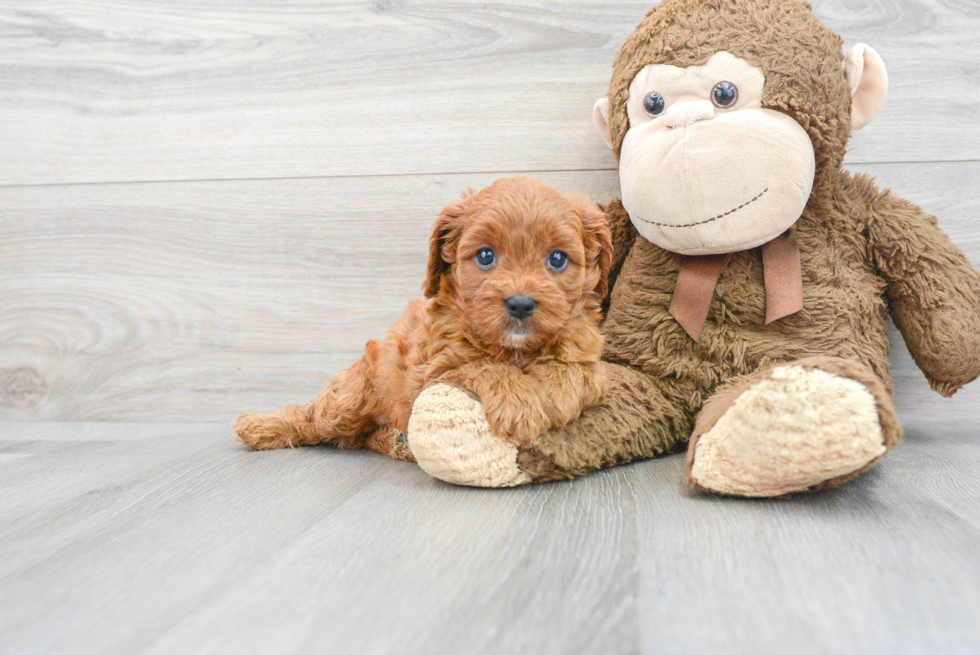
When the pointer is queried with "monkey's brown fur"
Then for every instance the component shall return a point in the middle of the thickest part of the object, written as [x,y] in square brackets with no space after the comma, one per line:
[866,254]
[463,335]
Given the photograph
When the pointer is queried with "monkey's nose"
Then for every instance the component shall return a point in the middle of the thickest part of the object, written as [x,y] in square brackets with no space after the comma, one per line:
[689,112]
[520,306]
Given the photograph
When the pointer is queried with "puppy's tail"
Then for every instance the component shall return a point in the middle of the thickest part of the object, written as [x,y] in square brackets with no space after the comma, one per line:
[339,416]
[283,429]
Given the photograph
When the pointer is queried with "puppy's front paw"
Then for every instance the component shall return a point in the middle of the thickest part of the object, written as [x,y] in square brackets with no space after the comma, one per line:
[520,423]
[452,440]
[262,431]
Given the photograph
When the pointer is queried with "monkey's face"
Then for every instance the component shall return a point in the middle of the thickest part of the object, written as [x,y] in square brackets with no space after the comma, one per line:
[705,169]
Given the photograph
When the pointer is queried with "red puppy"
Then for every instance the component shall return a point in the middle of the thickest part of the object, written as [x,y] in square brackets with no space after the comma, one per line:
[515,278]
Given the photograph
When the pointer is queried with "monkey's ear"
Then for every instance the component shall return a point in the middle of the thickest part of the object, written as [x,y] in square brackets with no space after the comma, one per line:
[598,246]
[442,246]
[868,81]
[600,115]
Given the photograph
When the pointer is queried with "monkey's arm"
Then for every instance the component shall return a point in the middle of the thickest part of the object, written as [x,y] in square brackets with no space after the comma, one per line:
[933,291]
[452,440]
[623,236]
[636,420]
[523,404]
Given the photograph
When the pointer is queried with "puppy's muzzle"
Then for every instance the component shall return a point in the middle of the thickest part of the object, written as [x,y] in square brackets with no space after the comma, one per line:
[520,306]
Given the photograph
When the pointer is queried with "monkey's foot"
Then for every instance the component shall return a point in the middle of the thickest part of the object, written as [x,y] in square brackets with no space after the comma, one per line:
[452,440]
[810,425]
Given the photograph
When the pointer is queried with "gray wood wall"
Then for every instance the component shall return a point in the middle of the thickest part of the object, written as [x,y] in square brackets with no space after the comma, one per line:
[208,206]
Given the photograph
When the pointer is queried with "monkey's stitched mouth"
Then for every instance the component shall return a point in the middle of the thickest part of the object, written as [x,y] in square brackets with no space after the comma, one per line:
[713,218]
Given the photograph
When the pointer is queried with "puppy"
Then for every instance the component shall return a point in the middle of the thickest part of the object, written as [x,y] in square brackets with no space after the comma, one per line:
[515,279]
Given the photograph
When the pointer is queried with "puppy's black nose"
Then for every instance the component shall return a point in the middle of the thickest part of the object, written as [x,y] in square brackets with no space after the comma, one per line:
[520,306]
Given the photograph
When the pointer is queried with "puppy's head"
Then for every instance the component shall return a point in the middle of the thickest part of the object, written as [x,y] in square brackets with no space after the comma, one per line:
[521,260]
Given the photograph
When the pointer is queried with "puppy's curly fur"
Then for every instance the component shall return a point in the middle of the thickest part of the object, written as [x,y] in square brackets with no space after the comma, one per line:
[532,373]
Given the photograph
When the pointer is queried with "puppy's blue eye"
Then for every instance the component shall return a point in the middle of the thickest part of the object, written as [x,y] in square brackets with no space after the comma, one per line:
[485,258]
[557,260]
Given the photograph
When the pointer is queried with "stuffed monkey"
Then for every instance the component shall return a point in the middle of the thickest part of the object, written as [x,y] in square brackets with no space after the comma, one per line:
[753,276]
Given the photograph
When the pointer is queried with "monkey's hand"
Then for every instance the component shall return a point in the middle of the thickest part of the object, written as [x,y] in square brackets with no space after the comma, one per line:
[451,438]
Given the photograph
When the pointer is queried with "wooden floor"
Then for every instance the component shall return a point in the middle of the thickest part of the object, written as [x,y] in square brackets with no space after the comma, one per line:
[167,538]
[208,206]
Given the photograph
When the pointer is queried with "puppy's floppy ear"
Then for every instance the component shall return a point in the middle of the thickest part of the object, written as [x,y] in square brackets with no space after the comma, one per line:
[598,246]
[442,245]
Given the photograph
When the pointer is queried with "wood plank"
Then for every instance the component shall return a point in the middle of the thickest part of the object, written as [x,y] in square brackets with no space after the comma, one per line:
[136,90]
[191,543]
[848,571]
[118,457]
[176,300]
[151,496]
[198,301]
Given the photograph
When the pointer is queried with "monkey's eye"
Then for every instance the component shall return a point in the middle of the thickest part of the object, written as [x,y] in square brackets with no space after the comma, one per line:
[654,103]
[724,95]
[485,258]
[557,261]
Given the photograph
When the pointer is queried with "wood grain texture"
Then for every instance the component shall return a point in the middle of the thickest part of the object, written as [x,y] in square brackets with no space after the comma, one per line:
[175,539]
[133,289]
[196,301]
[171,300]
[138,90]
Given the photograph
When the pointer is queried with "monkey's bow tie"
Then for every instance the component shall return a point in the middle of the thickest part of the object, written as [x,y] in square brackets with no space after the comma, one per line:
[699,275]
